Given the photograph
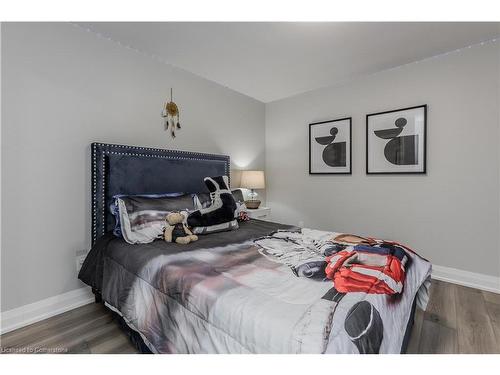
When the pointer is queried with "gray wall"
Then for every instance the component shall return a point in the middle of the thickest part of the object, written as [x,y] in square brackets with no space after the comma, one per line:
[63,88]
[450,215]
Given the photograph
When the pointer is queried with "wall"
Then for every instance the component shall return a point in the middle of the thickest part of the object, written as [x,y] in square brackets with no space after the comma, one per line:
[498,114]
[450,215]
[63,88]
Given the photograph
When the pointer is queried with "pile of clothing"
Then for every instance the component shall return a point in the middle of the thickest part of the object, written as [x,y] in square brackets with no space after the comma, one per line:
[355,264]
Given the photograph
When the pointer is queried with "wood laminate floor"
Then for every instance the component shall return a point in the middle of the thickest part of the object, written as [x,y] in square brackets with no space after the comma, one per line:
[457,320]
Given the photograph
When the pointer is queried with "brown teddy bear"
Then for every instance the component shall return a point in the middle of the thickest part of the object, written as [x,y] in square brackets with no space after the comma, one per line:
[176,230]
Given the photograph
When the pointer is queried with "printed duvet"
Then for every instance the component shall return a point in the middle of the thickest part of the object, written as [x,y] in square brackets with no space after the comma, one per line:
[226,295]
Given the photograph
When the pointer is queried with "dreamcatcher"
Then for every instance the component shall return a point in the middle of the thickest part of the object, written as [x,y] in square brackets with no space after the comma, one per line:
[170,113]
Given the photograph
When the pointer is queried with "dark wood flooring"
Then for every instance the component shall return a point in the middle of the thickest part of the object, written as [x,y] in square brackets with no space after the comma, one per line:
[457,320]
[88,329]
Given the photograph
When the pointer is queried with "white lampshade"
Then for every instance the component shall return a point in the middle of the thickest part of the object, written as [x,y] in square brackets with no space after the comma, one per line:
[252,180]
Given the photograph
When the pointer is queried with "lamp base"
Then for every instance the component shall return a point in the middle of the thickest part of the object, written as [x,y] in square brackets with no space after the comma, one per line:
[252,204]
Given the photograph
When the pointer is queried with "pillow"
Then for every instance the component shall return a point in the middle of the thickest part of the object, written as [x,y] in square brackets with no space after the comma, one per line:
[220,213]
[241,208]
[140,218]
[230,225]
[238,195]
[203,200]
[113,207]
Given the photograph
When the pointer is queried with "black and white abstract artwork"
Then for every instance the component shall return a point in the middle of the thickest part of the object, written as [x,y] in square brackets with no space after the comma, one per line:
[330,147]
[396,141]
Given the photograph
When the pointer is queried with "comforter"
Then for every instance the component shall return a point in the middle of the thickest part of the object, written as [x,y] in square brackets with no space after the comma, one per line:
[228,293]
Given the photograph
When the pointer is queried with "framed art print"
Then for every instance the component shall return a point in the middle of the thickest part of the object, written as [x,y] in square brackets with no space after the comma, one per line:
[330,148]
[396,141]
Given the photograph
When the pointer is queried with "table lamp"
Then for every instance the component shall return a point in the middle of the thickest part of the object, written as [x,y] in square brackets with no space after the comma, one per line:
[252,180]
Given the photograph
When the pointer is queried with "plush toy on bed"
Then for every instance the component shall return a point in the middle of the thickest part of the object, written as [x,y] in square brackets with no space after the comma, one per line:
[176,230]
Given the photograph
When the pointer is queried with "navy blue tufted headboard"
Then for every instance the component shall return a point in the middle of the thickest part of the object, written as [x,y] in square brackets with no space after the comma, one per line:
[119,169]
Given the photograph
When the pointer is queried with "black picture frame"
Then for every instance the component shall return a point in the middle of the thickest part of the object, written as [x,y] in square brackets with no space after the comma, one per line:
[350,146]
[424,170]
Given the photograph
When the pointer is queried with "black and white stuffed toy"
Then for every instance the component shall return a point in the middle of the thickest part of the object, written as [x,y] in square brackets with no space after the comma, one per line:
[220,215]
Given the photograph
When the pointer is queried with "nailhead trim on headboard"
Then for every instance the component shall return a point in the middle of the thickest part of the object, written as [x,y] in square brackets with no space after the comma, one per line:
[100,150]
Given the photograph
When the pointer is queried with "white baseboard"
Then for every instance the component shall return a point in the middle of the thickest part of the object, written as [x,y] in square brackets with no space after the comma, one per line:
[46,308]
[466,278]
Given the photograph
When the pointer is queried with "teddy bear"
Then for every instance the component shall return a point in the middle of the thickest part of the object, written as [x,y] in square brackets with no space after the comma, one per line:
[176,230]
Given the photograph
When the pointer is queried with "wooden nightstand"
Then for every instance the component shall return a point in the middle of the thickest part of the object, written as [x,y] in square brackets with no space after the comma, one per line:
[261,213]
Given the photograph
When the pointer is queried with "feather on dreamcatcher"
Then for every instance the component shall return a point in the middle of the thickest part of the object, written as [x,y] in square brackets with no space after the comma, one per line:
[170,114]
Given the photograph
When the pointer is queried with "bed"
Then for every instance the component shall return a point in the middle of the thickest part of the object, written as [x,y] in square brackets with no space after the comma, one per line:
[222,294]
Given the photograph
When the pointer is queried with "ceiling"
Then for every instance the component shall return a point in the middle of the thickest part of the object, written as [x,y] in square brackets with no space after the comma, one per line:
[271,61]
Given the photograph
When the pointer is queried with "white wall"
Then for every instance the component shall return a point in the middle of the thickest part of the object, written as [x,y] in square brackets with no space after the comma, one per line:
[498,143]
[63,88]
[450,215]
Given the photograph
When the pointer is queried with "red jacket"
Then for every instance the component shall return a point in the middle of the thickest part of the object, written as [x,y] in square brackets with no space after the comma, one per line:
[368,269]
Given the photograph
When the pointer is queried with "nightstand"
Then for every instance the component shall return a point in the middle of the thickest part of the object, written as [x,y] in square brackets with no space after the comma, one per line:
[261,213]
